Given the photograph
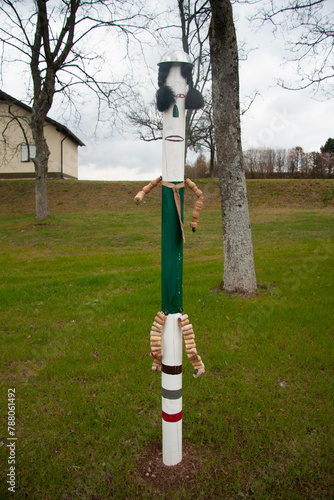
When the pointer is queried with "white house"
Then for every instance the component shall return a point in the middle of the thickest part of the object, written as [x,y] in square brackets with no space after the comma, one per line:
[17,147]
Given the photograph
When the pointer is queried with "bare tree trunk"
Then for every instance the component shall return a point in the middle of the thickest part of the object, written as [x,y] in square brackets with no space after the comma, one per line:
[239,271]
[41,176]
[41,193]
[41,165]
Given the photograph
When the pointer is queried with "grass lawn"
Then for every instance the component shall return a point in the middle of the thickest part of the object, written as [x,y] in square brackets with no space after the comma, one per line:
[78,294]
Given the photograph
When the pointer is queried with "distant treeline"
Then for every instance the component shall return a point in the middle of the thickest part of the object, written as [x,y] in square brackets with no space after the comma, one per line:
[266,163]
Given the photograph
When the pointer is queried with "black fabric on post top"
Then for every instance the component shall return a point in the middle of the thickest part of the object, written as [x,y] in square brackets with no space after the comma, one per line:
[194,99]
[165,96]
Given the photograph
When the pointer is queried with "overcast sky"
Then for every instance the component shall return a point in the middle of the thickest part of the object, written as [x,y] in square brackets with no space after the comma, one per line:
[278,118]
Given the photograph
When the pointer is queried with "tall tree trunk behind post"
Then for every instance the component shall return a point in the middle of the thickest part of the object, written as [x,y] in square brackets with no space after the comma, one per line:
[239,271]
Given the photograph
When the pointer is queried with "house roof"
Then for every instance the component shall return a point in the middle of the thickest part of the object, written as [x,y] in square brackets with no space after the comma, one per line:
[57,125]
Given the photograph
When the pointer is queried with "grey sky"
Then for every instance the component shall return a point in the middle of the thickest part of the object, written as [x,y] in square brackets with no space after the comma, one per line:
[278,118]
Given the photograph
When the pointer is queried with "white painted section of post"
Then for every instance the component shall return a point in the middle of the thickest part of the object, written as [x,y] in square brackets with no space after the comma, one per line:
[173,151]
[171,347]
[172,443]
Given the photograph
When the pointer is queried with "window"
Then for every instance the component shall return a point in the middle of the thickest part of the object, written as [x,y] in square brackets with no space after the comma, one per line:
[28,155]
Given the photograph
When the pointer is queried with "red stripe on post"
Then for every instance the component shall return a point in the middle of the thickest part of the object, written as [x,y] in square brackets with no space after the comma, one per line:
[172,418]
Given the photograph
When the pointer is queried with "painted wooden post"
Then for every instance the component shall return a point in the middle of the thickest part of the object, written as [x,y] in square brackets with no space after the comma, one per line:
[170,326]
[173,151]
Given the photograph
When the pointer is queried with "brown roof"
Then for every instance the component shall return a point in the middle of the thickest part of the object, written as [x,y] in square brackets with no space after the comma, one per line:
[57,125]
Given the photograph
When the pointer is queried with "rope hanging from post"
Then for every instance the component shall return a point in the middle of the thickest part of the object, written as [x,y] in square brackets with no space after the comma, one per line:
[199,203]
[146,189]
[175,188]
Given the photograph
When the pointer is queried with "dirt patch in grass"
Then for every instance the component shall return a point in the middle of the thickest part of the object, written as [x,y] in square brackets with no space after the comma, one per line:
[21,372]
[164,478]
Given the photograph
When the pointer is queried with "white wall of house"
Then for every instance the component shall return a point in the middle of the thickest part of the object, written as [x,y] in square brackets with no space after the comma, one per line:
[57,142]
[12,141]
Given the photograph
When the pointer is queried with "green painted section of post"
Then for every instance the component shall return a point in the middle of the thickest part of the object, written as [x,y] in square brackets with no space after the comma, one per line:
[171,253]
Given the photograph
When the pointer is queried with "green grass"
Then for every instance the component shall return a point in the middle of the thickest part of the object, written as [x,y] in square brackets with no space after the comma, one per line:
[78,293]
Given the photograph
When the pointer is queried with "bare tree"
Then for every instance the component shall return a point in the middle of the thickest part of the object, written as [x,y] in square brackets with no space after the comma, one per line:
[239,270]
[325,163]
[264,162]
[52,39]
[308,29]
[296,160]
[281,160]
